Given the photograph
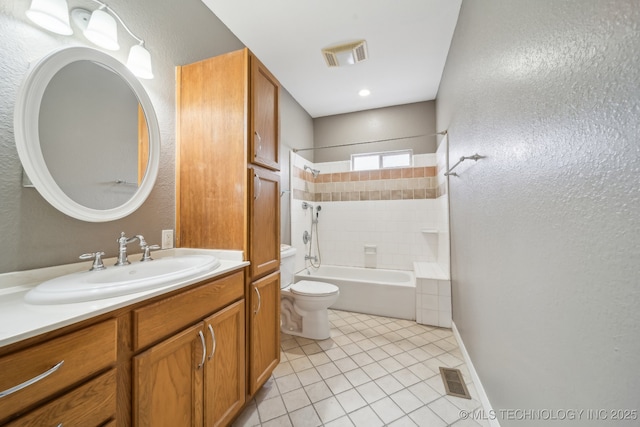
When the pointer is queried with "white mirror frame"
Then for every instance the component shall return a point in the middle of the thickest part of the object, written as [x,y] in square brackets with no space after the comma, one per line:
[26,119]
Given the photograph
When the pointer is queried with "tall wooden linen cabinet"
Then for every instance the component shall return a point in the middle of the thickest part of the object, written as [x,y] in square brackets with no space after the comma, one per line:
[228,185]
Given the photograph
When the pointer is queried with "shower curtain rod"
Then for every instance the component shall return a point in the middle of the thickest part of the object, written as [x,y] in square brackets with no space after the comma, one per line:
[295,150]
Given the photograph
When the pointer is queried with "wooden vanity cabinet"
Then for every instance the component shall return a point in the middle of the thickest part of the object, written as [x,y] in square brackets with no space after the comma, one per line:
[264,222]
[264,130]
[61,364]
[176,360]
[227,109]
[228,182]
[224,382]
[264,338]
[194,377]
[89,405]
[167,385]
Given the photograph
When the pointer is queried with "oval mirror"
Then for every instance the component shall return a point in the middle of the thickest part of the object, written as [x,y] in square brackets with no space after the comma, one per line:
[87,134]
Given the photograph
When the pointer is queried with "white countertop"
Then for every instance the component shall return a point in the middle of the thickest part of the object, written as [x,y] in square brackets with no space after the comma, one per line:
[19,320]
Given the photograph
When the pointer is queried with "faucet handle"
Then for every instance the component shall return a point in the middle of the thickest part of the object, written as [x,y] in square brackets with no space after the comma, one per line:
[146,252]
[97,260]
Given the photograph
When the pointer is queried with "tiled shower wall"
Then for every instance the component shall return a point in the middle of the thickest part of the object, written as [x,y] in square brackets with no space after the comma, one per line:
[433,284]
[390,184]
[394,210]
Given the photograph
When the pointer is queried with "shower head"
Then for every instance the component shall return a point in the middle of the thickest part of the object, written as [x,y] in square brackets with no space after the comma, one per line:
[314,172]
[306,205]
[318,208]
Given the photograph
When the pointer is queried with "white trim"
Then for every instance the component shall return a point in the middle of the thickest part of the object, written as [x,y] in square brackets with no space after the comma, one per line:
[486,405]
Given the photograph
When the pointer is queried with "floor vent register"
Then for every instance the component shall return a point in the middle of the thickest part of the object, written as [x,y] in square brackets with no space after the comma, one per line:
[454,383]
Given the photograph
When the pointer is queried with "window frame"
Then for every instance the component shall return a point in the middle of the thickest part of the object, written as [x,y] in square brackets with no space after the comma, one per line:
[381,155]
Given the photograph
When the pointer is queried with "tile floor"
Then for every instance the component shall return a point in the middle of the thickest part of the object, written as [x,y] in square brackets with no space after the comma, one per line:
[373,371]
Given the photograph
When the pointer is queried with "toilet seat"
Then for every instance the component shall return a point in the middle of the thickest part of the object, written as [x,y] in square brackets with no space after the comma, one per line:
[313,289]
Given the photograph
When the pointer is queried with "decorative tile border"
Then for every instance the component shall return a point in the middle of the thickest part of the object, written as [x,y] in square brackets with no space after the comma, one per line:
[386,184]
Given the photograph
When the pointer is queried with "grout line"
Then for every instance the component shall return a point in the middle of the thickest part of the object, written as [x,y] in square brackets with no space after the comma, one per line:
[444,347]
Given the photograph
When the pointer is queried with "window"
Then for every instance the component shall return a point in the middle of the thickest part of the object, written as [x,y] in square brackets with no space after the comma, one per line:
[388,159]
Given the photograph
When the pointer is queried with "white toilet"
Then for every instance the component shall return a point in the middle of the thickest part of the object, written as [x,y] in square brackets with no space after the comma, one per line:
[303,305]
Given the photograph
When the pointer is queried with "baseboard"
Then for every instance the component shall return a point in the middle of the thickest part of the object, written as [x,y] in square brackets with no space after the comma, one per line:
[486,405]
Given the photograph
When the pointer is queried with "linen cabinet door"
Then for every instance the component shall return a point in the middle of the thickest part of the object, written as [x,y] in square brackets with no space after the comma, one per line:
[264,222]
[224,374]
[264,342]
[167,385]
[264,119]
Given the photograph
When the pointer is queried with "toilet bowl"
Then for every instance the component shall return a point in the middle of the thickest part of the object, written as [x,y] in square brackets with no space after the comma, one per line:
[303,305]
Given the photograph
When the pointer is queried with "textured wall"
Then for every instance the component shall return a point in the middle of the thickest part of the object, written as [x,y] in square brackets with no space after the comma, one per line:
[545,230]
[35,234]
[373,125]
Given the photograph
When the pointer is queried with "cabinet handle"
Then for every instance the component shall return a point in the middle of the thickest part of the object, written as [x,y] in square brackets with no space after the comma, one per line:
[32,380]
[204,350]
[259,300]
[259,144]
[255,176]
[213,338]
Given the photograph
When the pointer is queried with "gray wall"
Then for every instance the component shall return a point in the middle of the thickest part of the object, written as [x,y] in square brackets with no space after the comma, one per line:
[545,230]
[296,131]
[35,234]
[373,125]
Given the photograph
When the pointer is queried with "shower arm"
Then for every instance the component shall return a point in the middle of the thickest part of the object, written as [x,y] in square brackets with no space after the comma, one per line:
[475,157]
[314,172]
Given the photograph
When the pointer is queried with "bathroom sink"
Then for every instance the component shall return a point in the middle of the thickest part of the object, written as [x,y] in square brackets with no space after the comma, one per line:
[122,280]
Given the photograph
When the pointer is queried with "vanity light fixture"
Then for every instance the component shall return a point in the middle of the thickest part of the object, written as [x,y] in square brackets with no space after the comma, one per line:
[99,27]
[52,15]
[102,30]
[139,62]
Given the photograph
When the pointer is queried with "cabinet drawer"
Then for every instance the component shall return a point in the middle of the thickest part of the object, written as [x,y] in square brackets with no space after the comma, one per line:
[82,354]
[89,405]
[163,318]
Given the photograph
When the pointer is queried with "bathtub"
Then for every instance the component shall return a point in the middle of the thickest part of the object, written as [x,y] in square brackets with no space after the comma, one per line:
[390,293]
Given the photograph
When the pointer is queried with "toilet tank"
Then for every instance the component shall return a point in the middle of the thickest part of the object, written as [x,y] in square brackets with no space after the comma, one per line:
[287,265]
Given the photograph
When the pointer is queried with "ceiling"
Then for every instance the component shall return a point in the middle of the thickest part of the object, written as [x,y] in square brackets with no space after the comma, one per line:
[407,44]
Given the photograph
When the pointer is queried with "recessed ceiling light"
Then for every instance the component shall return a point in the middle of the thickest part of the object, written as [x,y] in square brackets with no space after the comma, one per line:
[364,92]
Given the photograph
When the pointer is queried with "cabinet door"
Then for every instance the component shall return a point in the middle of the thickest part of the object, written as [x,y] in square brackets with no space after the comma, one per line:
[264,128]
[264,343]
[211,155]
[264,222]
[224,374]
[167,385]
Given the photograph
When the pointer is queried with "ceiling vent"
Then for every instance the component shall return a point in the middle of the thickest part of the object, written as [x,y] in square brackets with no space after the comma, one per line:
[345,54]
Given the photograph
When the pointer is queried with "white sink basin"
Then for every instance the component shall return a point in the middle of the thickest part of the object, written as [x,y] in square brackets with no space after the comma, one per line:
[122,280]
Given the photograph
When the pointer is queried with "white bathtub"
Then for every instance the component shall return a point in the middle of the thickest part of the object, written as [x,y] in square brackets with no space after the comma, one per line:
[390,293]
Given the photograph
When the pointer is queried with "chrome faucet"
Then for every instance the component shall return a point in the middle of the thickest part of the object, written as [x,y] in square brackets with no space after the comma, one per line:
[123,241]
